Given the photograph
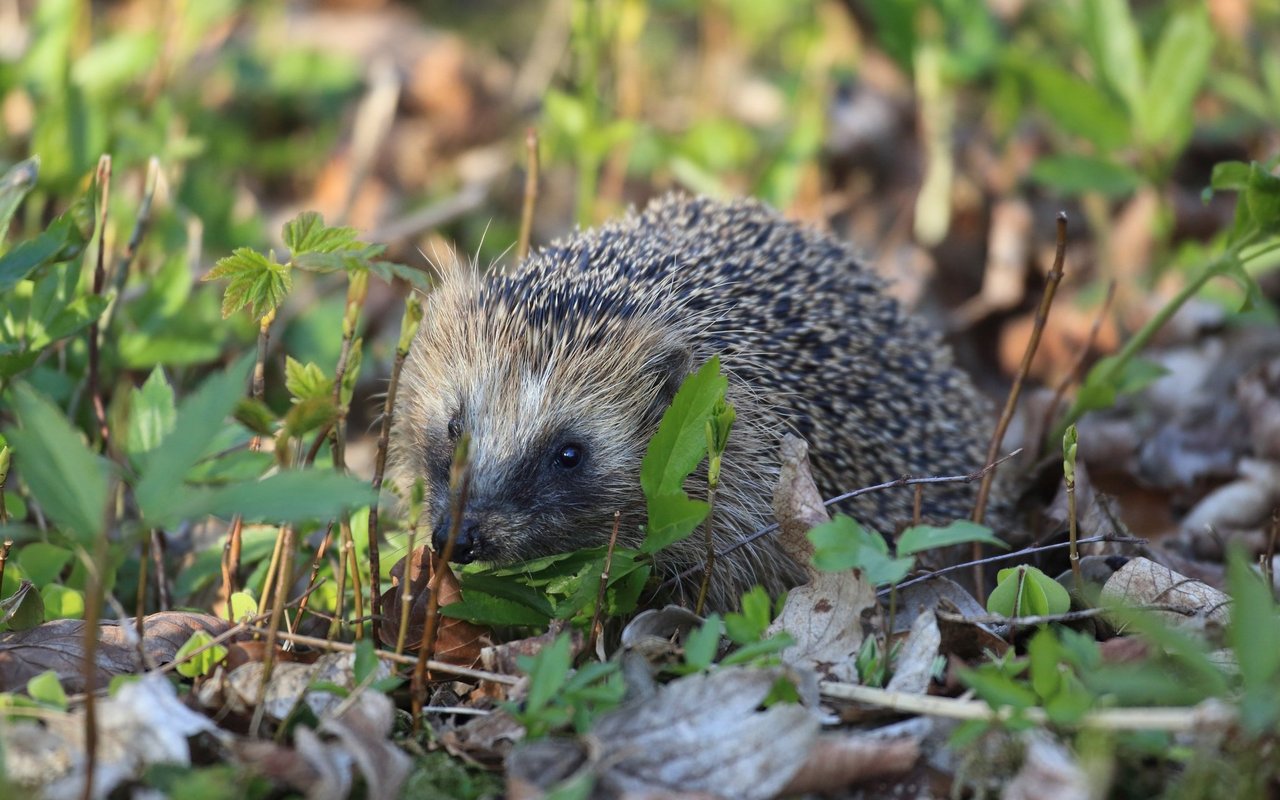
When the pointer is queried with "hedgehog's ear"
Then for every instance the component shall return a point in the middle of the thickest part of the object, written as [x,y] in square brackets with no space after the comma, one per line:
[672,367]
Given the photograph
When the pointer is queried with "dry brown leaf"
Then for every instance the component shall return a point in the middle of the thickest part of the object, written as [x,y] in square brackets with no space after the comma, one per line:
[59,646]
[829,616]
[457,641]
[485,741]
[1144,582]
[703,733]
[237,690]
[838,761]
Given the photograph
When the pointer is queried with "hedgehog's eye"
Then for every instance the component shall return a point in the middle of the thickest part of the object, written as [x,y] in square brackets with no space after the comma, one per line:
[455,427]
[569,456]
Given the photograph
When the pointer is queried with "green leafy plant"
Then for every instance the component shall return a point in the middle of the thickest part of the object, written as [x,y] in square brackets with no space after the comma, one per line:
[843,544]
[1026,591]
[560,696]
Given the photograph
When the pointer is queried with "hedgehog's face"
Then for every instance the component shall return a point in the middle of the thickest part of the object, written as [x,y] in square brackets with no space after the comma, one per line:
[556,430]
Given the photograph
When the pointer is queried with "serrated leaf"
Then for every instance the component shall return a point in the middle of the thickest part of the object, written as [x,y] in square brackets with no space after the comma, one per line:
[307,381]
[681,440]
[152,414]
[64,475]
[253,281]
[1177,71]
[307,233]
[199,419]
[961,531]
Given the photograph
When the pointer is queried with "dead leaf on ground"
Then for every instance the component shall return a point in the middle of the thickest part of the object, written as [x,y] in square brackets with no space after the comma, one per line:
[1049,772]
[913,669]
[829,616]
[59,646]
[457,641]
[238,689]
[485,741]
[703,733]
[325,768]
[1143,582]
[837,761]
[144,723]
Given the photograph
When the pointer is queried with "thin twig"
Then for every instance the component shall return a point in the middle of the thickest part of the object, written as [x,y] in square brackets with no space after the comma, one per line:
[4,557]
[442,667]
[336,623]
[597,617]
[283,576]
[1069,616]
[406,586]
[1211,715]
[99,283]
[158,553]
[459,486]
[312,583]
[141,225]
[1268,564]
[92,613]
[1011,403]
[1026,551]
[140,601]
[353,568]
[409,322]
[905,480]
[530,193]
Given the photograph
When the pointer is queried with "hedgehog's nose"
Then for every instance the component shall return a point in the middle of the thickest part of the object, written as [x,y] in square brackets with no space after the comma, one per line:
[464,546]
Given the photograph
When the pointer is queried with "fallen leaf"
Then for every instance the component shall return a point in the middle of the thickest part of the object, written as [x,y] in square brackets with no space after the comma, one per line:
[1049,772]
[1144,582]
[836,761]
[457,641]
[703,733]
[913,670]
[829,616]
[59,646]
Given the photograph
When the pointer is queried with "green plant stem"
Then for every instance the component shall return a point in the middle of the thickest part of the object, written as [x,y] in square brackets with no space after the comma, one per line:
[597,617]
[99,283]
[406,588]
[711,550]
[4,557]
[1077,575]
[1139,340]
[336,624]
[349,547]
[379,472]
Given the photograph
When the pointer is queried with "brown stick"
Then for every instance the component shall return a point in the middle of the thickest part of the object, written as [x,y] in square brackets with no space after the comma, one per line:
[158,552]
[459,486]
[597,617]
[140,601]
[283,576]
[315,570]
[99,281]
[92,613]
[530,193]
[1011,403]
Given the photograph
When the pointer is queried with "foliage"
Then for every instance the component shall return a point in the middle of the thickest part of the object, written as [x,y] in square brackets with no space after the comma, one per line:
[559,696]
[1026,591]
[843,544]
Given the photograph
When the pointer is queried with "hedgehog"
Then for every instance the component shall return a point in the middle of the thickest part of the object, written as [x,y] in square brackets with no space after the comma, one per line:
[561,369]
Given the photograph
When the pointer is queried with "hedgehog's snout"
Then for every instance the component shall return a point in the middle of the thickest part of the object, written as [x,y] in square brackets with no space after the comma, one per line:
[465,544]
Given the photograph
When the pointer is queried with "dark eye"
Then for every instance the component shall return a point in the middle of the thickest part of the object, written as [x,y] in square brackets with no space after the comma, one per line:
[569,456]
[455,427]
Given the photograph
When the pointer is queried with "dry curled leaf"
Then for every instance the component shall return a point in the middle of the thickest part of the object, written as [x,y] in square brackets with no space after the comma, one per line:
[837,761]
[829,616]
[1144,582]
[703,733]
[59,646]
[457,641]
[238,690]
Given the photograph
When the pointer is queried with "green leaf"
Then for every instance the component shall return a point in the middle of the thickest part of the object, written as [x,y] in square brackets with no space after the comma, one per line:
[997,689]
[292,496]
[1177,71]
[927,537]
[306,381]
[1254,635]
[389,271]
[254,281]
[204,662]
[47,690]
[14,185]
[1262,196]
[307,233]
[1116,47]
[681,441]
[1025,591]
[702,643]
[481,608]
[22,610]
[65,477]
[1077,106]
[506,589]
[1075,174]
[49,246]
[152,414]
[750,624]
[243,606]
[672,517]
[61,602]
[1105,383]
[843,544]
[200,418]
[366,661]
[1044,654]
[43,562]
[548,671]
[309,415]
[1230,175]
